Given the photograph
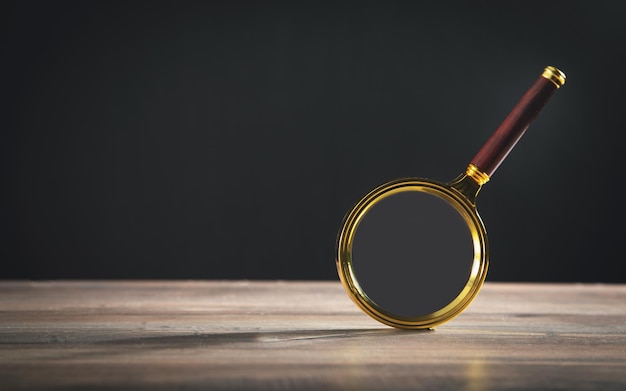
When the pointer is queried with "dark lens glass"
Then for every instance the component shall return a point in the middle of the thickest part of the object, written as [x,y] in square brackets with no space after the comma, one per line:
[412,253]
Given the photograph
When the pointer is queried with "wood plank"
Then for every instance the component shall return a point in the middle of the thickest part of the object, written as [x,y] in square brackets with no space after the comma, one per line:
[272,335]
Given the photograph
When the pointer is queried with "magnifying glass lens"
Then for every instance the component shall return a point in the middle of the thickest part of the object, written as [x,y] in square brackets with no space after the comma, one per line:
[412,253]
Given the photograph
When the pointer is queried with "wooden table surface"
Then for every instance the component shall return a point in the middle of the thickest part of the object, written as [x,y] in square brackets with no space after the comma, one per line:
[239,335]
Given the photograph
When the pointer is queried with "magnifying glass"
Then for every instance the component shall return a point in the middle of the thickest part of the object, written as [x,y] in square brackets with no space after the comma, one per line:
[413,252]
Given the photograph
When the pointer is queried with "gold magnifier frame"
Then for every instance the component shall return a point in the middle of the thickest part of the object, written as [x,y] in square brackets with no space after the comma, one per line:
[460,194]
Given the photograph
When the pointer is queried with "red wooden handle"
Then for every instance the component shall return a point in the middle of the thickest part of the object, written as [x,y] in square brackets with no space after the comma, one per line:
[515,124]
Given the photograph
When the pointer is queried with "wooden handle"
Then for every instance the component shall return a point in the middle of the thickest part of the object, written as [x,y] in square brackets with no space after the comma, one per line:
[499,145]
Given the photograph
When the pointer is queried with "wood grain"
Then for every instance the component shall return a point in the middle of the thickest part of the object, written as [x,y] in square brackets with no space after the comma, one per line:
[242,335]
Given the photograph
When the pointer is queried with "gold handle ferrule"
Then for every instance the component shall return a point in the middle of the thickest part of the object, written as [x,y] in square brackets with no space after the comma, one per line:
[554,75]
[474,172]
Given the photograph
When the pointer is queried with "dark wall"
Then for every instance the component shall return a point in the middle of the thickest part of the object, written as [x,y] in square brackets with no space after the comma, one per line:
[210,140]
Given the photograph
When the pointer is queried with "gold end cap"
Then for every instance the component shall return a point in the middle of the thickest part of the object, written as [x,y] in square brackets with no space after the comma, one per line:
[555,75]
[474,172]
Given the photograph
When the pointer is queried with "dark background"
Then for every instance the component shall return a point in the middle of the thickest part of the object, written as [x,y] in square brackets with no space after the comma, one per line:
[222,140]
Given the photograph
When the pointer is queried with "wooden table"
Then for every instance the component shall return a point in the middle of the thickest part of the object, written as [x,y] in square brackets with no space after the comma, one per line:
[242,335]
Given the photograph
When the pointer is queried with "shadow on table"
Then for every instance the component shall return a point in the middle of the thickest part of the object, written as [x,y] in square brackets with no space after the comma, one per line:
[200,339]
